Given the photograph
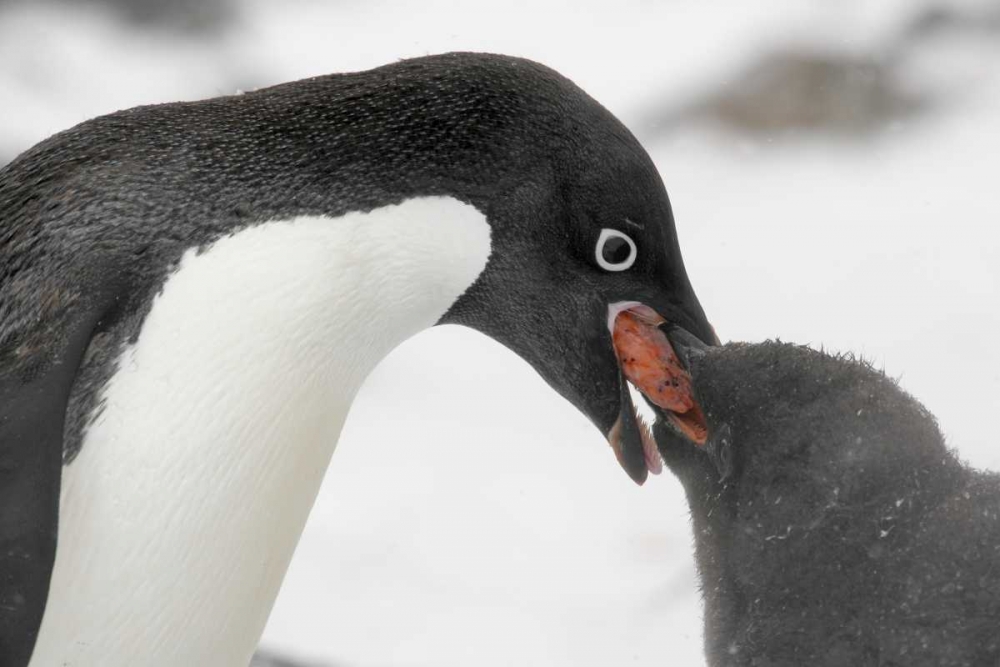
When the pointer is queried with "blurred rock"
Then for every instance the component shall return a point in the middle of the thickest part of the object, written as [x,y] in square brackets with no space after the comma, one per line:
[182,15]
[794,92]
[939,20]
[264,658]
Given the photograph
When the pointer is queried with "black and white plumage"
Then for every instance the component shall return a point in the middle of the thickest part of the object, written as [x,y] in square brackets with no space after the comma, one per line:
[192,293]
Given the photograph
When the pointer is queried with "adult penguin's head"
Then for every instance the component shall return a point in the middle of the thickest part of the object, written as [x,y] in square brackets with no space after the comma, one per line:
[584,249]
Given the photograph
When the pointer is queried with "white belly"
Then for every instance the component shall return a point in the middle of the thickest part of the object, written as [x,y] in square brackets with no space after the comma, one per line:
[181,513]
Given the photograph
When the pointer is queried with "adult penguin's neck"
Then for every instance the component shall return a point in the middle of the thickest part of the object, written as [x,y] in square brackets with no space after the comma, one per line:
[183,508]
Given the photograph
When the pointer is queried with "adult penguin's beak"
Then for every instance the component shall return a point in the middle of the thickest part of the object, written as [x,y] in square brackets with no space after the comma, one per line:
[647,361]
[589,344]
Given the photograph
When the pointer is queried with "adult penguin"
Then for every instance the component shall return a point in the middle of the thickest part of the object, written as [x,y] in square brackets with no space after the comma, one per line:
[191,294]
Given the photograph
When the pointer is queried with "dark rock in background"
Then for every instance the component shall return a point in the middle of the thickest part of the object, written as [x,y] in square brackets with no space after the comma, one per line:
[795,92]
[265,658]
[183,15]
[941,20]
[787,93]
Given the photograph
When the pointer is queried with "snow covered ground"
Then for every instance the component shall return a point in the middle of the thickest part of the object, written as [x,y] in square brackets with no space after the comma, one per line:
[471,517]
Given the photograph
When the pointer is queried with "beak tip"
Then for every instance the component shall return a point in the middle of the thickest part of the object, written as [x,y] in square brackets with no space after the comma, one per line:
[638,476]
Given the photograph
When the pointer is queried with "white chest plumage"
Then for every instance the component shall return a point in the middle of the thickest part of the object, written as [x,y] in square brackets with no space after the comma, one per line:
[182,511]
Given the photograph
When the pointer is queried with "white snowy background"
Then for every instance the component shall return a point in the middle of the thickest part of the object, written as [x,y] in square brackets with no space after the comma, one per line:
[835,175]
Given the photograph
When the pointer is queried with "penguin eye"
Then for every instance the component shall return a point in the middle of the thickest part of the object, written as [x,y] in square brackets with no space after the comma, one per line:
[615,250]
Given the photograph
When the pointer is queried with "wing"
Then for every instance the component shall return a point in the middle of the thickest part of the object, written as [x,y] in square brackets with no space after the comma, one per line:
[32,414]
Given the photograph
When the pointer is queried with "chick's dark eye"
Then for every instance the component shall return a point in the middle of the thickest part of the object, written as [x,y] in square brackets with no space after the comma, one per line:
[615,250]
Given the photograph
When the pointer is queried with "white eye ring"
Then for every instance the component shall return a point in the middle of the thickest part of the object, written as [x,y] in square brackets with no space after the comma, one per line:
[606,235]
